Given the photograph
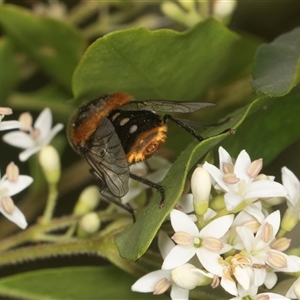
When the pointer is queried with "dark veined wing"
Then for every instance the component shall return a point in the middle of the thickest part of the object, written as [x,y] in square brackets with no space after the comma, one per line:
[165,106]
[107,158]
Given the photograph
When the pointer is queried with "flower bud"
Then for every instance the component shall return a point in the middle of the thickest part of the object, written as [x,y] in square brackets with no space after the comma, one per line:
[187,17]
[188,277]
[88,200]
[50,163]
[201,186]
[89,224]
[218,203]
[290,220]
[223,9]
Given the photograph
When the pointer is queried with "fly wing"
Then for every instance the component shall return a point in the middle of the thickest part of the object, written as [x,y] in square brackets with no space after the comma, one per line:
[165,106]
[107,158]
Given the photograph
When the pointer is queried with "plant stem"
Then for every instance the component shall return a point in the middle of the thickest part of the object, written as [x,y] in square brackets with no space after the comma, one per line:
[50,205]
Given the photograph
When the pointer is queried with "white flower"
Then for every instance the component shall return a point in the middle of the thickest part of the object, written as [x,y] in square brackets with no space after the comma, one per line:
[239,180]
[206,243]
[239,266]
[159,281]
[258,249]
[39,136]
[9,188]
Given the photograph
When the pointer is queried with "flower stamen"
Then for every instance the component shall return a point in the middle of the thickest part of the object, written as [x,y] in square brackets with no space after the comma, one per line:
[255,167]
[12,172]
[161,286]
[8,204]
[182,238]
[230,178]
[26,119]
[213,244]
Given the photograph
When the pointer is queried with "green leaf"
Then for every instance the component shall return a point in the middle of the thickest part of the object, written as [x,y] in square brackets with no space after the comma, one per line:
[162,64]
[276,68]
[54,45]
[72,283]
[140,235]
[269,131]
[9,73]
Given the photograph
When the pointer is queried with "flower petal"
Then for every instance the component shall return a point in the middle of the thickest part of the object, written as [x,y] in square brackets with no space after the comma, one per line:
[217,228]
[147,283]
[217,175]
[246,236]
[229,286]
[16,216]
[165,244]
[224,157]
[241,165]
[6,125]
[181,222]
[178,293]
[178,256]
[242,276]
[292,265]
[44,122]
[15,187]
[291,183]
[24,155]
[271,279]
[259,277]
[274,220]
[265,189]
[255,211]
[186,202]
[232,200]
[271,296]
[18,139]
[210,261]
[58,127]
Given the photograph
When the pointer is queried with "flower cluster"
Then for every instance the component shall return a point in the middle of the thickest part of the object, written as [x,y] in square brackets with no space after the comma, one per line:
[232,240]
[32,139]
